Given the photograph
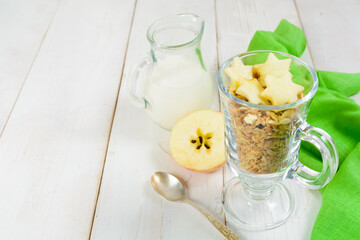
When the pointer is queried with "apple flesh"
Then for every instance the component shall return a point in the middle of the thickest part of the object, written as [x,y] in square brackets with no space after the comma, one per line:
[197,141]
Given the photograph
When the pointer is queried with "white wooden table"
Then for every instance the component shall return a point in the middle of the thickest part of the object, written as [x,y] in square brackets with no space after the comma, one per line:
[76,157]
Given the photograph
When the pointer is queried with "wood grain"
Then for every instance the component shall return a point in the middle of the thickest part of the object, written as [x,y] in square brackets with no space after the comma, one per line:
[332,30]
[333,33]
[128,207]
[237,22]
[23,26]
[61,64]
[52,150]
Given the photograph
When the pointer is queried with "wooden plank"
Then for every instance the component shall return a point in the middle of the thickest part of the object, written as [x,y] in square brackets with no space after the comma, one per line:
[23,26]
[237,22]
[52,150]
[333,33]
[128,207]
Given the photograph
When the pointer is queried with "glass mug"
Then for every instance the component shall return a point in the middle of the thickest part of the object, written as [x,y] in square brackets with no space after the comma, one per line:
[176,81]
[262,147]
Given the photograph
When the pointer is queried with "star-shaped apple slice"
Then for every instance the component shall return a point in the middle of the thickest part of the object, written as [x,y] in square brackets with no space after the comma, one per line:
[281,90]
[238,73]
[273,66]
[251,90]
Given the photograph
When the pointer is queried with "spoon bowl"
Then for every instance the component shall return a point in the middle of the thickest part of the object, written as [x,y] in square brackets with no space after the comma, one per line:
[168,186]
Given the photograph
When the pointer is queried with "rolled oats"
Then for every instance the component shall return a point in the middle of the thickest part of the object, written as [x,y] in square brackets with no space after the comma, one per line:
[262,136]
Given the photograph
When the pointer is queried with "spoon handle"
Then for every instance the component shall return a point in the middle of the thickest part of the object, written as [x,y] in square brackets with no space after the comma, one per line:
[224,230]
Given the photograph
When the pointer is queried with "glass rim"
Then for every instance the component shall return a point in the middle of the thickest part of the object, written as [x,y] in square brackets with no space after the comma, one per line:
[304,99]
[150,32]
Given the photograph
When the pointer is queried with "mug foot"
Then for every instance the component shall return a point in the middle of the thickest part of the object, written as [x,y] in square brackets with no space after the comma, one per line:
[256,214]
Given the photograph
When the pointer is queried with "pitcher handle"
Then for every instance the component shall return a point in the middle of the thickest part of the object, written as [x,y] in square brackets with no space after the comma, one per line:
[319,138]
[133,81]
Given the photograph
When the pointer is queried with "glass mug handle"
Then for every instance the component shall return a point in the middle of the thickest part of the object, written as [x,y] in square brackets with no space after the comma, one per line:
[133,81]
[307,177]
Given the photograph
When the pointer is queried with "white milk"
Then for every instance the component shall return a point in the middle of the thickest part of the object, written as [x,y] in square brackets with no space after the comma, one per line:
[176,87]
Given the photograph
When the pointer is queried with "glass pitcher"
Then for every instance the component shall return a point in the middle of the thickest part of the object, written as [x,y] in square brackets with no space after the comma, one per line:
[172,81]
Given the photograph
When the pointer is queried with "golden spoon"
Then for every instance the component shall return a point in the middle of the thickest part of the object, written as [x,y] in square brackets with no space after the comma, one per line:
[172,189]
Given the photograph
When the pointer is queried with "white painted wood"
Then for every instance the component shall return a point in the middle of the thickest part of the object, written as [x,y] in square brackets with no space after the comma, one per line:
[333,33]
[23,25]
[237,22]
[332,30]
[128,207]
[53,147]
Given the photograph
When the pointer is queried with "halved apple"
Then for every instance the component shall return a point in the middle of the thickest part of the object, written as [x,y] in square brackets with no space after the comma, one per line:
[197,141]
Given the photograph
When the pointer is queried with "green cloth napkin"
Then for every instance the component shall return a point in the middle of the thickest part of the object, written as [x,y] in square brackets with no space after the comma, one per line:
[334,112]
